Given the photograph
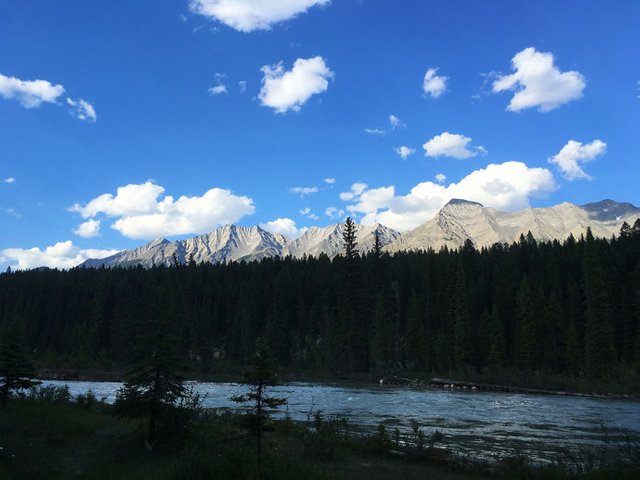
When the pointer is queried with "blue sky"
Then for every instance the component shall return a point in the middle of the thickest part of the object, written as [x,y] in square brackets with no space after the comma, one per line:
[241,106]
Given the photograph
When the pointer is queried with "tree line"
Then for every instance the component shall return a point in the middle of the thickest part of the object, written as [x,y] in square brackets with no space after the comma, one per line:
[569,307]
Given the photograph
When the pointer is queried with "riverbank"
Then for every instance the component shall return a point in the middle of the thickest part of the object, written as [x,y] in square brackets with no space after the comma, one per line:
[60,439]
[513,381]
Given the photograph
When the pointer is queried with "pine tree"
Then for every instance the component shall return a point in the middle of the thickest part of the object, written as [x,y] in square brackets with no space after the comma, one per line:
[349,239]
[599,350]
[154,387]
[16,370]
[260,378]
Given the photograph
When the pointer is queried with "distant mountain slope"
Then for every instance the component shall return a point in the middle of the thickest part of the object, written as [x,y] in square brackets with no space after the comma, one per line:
[458,221]
[233,243]
[461,220]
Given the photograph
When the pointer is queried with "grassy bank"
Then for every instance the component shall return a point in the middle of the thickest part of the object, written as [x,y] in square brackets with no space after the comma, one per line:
[55,438]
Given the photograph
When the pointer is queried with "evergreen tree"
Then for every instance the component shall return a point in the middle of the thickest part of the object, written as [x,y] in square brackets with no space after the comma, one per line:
[260,378]
[599,348]
[16,369]
[349,238]
[154,387]
[496,356]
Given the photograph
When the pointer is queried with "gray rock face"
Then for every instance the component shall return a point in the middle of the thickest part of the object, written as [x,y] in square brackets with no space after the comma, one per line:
[460,220]
[232,243]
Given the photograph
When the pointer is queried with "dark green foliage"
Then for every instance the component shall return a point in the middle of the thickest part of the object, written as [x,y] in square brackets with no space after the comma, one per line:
[570,308]
[16,369]
[260,377]
[349,238]
[154,389]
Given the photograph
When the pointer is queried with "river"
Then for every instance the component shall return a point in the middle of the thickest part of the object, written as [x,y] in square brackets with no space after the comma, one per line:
[481,425]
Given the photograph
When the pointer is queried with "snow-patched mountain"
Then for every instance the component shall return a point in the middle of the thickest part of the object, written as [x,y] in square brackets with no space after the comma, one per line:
[328,240]
[461,220]
[226,244]
[233,243]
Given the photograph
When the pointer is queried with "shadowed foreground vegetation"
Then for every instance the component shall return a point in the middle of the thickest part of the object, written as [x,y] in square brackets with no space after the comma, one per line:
[48,435]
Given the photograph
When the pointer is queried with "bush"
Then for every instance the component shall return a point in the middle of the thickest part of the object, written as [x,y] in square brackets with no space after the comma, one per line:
[50,393]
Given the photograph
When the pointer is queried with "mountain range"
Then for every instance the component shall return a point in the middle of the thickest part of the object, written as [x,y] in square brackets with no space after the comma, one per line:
[457,222]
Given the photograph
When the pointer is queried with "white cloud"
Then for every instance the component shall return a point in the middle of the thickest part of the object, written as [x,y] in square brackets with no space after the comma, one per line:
[506,186]
[284,90]
[395,122]
[303,191]
[142,215]
[375,131]
[30,93]
[574,153]
[404,151]
[329,180]
[440,177]
[309,214]
[539,83]
[250,15]
[333,212]
[88,229]
[242,86]
[33,93]
[220,87]
[433,84]
[9,180]
[451,145]
[217,90]
[13,212]
[284,226]
[60,255]
[356,190]
[82,110]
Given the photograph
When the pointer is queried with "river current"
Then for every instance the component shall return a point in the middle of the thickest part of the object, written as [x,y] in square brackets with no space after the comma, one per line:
[481,425]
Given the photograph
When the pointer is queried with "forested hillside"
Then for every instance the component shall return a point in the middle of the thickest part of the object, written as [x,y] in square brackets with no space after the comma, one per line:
[571,307]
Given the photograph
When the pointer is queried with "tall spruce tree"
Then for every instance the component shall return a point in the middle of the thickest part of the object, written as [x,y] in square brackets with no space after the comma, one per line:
[154,387]
[260,377]
[16,369]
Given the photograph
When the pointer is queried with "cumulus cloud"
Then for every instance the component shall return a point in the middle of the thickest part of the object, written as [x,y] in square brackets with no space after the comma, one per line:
[539,83]
[451,145]
[82,110]
[142,215]
[217,90]
[220,87]
[433,84]
[303,191]
[573,154]
[88,229]
[395,122]
[9,180]
[356,190]
[250,15]
[30,93]
[329,180]
[242,86]
[33,93]
[506,186]
[404,151]
[309,214]
[333,212]
[284,226]
[440,177]
[60,255]
[285,90]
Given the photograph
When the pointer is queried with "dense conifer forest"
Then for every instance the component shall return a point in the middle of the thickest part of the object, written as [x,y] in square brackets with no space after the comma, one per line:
[560,308]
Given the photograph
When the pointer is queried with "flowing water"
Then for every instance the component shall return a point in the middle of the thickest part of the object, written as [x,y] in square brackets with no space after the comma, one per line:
[482,425]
